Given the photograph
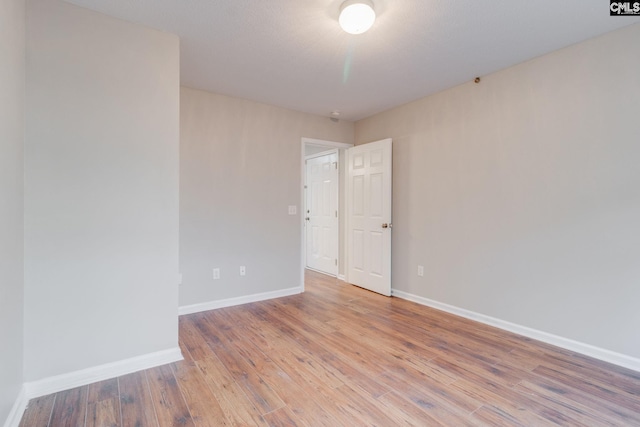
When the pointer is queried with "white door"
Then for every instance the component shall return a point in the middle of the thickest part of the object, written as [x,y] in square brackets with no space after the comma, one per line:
[369,216]
[322,213]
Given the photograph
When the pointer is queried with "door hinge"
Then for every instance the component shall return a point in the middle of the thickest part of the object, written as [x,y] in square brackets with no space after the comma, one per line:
[336,214]
[336,164]
[336,261]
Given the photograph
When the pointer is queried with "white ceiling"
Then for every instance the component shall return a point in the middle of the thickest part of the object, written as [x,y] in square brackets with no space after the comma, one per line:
[293,54]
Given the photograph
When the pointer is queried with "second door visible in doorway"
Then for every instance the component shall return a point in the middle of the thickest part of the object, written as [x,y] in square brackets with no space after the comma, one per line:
[322,213]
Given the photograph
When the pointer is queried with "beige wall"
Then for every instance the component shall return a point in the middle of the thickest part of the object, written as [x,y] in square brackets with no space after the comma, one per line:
[521,195]
[12,65]
[240,168]
[101,190]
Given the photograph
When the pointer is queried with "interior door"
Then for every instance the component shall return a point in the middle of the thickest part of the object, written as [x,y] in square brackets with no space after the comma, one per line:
[322,213]
[369,216]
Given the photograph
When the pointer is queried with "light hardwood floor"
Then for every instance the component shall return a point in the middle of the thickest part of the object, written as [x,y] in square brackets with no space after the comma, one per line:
[338,355]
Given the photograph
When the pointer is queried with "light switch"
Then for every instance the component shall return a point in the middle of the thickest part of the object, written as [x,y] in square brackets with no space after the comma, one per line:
[293,210]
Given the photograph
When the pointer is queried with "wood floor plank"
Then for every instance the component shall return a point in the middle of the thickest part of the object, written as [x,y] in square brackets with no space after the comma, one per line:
[283,417]
[463,368]
[357,406]
[431,344]
[70,408]
[624,379]
[317,322]
[104,413]
[136,403]
[294,382]
[423,388]
[256,389]
[525,361]
[420,396]
[492,416]
[192,339]
[204,407]
[296,360]
[38,412]
[338,355]
[508,401]
[339,364]
[404,412]
[566,393]
[580,413]
[593,387]
[211,335]
[287,353]
[169,404]
[227,331]
[396,354]
[234,402]
[103,390]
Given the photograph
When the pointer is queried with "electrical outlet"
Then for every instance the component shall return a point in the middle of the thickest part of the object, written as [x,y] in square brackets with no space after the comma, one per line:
[243,270]
[216,273]
[293,210]
[420,271]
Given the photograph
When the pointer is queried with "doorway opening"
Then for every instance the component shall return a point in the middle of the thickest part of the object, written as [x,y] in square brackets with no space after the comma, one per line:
[321,211]
[323,240]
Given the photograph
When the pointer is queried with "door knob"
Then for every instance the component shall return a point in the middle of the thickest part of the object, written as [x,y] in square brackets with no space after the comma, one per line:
[307,218]
[385,225]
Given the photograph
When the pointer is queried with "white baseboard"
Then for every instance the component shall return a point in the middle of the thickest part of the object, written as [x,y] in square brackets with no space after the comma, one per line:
[566,343]
[99,373]
[342,277]
[15,415]
[230,302]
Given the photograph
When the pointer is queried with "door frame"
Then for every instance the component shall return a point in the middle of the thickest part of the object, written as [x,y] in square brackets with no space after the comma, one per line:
[303,248]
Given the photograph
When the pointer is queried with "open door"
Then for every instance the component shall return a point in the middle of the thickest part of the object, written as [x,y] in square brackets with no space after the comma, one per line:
[369,216]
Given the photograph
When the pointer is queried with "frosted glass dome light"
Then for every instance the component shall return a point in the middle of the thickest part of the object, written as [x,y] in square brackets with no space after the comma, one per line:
[357,16]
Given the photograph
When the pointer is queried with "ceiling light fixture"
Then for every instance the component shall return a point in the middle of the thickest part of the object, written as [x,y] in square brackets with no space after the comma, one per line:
[356,16]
